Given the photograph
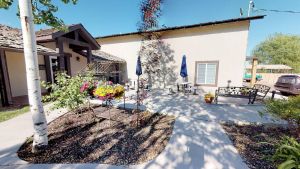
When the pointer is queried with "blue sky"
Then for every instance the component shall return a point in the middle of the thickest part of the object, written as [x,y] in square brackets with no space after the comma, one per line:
[105,17]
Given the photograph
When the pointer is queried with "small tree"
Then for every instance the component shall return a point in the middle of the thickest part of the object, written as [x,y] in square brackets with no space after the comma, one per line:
[156,56]
[280,49]
[35,11]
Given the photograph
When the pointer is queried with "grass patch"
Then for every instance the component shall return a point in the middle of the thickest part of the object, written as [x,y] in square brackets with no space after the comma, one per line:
[9,114]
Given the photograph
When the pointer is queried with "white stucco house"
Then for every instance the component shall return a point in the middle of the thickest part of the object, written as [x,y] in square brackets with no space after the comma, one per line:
[215,51]
[69,51]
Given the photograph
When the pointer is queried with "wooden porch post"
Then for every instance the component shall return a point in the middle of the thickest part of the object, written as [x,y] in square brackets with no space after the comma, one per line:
[7,95]
[253,71]
[89,55]
[60,50]
[48,68]
[68,63]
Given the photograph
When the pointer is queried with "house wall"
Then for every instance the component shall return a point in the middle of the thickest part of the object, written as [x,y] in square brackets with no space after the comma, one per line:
[125,47]
[17,72]
[76,65]
[226,43]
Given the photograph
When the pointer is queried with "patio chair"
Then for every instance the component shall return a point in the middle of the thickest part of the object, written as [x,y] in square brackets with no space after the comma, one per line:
[261,92]
[132,84]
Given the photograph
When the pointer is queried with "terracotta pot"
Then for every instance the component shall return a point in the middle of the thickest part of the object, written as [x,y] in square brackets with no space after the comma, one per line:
[209,100]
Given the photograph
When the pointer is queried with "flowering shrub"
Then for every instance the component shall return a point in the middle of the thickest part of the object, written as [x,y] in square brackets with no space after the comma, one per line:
[89,87]
[71,92]
[68,92]
[109,91]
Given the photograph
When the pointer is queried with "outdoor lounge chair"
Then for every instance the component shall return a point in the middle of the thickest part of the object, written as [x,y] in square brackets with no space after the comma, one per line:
[257,92]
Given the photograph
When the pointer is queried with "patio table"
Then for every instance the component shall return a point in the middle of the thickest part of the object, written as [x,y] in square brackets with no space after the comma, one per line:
[185,86]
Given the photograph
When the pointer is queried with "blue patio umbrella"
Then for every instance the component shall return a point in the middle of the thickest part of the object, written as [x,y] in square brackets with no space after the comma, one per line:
[138,72]
[183,70]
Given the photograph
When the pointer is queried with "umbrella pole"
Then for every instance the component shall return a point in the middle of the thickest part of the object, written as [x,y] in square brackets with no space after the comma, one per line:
[137,93]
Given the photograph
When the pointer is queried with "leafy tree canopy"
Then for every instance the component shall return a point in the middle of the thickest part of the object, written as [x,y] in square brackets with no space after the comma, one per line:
[43,12]
[280,49]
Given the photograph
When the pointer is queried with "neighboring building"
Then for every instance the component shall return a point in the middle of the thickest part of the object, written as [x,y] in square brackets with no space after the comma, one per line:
[215,51]
[269,73]
[270,68]
[69,51]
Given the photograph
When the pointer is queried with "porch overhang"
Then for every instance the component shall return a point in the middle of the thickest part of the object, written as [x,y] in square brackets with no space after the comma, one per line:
[53,53]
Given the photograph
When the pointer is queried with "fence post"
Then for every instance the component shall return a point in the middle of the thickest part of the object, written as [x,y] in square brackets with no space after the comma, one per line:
[253,71]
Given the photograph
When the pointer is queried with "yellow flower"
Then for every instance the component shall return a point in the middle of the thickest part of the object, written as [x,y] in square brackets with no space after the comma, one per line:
[103,91]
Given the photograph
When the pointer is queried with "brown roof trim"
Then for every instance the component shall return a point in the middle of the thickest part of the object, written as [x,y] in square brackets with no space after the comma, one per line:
[22,51]
[84,31]
[187,26]
[52,34]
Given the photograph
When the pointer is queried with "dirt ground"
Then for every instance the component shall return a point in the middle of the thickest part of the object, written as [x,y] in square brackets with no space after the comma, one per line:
[80,138]
[256,143]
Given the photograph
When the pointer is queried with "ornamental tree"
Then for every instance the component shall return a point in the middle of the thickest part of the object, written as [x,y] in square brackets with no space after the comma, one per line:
[156,56]
[35,12]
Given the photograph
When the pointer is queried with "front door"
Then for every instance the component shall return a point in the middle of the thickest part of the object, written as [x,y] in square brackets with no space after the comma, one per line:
[54,67]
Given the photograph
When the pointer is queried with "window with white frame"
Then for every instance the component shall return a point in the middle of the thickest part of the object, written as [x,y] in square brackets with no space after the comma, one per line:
[206,73]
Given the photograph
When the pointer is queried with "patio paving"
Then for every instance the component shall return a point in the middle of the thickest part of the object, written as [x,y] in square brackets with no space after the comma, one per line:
[198,140]
[229,109]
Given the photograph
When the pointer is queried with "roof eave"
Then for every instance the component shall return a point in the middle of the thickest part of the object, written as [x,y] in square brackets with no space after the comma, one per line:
[187,26]
[22,51]
[47,38]
[95,45]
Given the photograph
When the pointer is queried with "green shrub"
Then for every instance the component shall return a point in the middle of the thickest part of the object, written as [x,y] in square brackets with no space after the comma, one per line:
[288,109]
[66,93]
[288,154]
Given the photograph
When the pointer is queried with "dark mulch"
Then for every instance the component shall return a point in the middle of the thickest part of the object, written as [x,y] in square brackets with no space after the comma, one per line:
[80,139]
[257,143]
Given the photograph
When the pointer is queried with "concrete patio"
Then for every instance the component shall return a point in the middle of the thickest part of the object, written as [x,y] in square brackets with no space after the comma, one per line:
[198,140]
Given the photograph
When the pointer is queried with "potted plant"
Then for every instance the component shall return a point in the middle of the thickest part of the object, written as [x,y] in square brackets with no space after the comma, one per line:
[209,98]
[244,91]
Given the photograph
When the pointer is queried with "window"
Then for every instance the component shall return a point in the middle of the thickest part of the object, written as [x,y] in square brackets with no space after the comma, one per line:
[287,79]
[206,73]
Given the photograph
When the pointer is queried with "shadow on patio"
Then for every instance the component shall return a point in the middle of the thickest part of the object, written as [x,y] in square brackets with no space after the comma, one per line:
[195,107]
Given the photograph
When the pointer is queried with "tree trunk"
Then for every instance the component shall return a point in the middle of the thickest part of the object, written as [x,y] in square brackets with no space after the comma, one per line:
[32,74]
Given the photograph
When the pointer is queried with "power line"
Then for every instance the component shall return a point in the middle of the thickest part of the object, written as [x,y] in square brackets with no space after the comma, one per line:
[281,11]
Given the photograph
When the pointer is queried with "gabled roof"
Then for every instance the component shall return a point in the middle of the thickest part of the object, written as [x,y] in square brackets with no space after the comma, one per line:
[103,56]
[50,34]
[187,26]
[11,39]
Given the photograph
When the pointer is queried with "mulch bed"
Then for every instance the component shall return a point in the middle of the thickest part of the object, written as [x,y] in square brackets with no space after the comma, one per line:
[257,143]
[78,138]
